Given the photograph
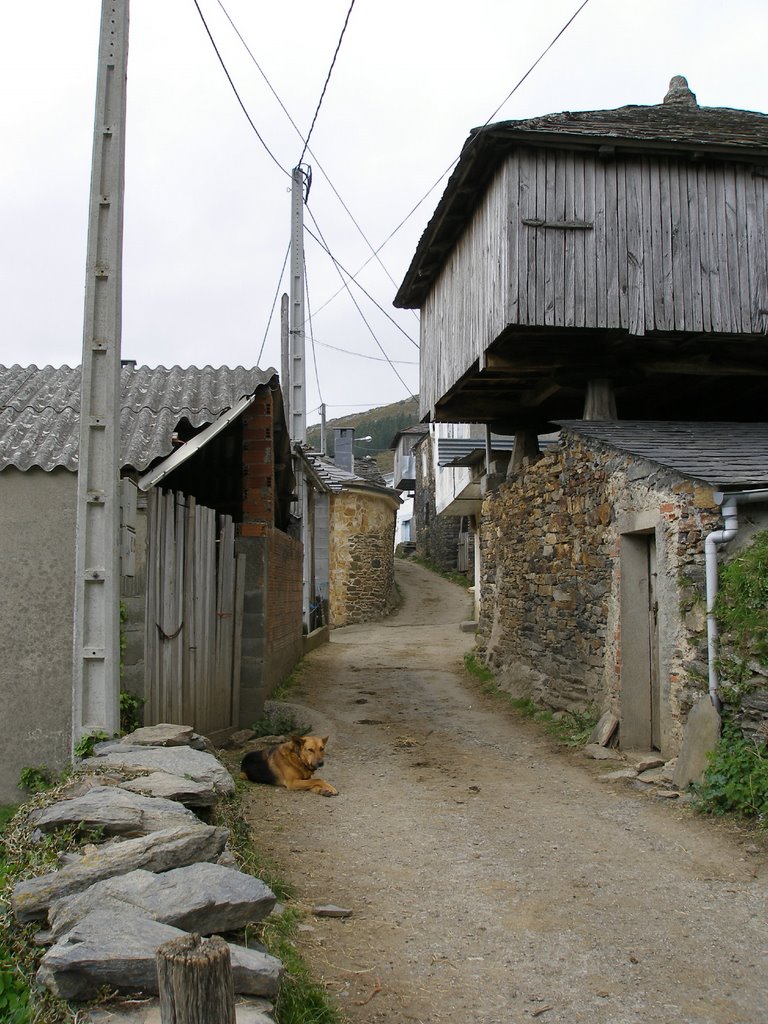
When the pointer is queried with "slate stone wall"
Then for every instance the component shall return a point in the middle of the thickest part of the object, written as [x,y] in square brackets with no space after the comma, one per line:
[551,575]
[436,537]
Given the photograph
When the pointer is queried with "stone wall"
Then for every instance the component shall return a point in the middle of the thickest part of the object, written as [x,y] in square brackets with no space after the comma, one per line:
[362,557]
[551,540]
[436,537]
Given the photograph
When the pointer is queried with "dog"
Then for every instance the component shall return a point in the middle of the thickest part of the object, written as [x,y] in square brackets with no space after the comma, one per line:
[290,764]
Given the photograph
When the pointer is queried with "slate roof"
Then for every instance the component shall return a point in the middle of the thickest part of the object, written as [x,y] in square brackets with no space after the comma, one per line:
[335,478]
[40,410]
[729,456]
[670,128]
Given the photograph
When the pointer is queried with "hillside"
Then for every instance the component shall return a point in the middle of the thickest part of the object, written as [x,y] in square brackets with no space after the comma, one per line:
[381,424]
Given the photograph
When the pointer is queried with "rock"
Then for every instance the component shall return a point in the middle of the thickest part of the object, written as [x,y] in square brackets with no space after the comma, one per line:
[599,753]
[120,954]
[241,736]
[147,1011]
[182,761]
[651,776]
[643,764]
[702,731]
[621,773]
[161,735]
[604,731]
[115,811]
[158,851]
[173,787]
[329,910]
[203,898]
[202,743]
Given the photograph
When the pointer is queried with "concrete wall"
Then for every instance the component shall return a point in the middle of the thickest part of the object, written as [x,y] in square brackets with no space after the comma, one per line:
[550,613]
[37,552]
[272,617]
[362,558]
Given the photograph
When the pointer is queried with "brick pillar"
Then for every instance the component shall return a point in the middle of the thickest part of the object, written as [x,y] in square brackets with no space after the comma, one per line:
[258,466]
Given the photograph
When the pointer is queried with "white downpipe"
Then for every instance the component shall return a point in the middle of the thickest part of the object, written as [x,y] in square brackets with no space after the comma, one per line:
[729,503]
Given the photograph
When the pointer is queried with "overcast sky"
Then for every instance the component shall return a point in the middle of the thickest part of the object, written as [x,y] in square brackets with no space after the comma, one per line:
[207,214]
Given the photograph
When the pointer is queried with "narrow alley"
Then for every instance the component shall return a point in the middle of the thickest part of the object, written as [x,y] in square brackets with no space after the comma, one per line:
[492,878]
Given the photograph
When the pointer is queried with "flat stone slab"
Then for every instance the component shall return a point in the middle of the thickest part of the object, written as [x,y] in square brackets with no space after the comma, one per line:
[204,898]
[600,753]
[182,761]
[702,731]
[164,734]
[158,851]
[101,950]
[620,773]
[115,811]
[251,1011]
[604,730]
[173,787]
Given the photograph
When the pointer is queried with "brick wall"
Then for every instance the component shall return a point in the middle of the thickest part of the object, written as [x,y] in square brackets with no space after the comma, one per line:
[258,465]
[551,577]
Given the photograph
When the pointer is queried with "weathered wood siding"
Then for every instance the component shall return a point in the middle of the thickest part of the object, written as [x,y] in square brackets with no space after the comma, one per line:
[666,245]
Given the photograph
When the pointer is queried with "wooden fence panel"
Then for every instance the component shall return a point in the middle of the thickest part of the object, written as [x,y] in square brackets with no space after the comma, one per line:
[194,602]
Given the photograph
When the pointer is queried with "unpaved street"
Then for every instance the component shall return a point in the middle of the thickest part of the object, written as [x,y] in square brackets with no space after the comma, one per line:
[492,878]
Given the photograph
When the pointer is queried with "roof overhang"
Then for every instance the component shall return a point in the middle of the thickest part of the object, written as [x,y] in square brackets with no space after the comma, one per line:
[194,445]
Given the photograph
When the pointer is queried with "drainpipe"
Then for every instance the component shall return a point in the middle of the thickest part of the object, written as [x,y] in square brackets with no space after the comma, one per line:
[729,503]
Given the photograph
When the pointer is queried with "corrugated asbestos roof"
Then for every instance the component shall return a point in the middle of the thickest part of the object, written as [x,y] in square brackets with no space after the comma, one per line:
[669,129]
[726,455]
[40,410]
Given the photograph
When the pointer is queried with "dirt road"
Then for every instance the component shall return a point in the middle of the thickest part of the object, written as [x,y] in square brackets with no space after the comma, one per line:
[491,878]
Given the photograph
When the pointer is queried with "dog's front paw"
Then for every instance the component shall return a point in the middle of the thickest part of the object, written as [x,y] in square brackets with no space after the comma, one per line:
[328,790]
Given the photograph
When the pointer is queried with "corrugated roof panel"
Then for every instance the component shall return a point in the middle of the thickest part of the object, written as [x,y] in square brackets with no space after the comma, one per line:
[40,410]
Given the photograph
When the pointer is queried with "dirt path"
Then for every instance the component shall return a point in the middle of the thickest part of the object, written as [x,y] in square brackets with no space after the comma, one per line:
[493,879]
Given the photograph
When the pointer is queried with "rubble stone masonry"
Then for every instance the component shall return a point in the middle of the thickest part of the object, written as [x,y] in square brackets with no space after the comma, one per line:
[362,559]
[550,579]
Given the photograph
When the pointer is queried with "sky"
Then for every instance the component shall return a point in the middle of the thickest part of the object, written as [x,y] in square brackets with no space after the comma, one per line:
[207,208]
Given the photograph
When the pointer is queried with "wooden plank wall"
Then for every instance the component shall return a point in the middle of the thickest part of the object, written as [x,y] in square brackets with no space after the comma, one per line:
[194,615]
[672,246]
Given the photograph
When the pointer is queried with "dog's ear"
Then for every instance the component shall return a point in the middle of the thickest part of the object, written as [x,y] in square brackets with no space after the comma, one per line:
[323,740]
[296,739]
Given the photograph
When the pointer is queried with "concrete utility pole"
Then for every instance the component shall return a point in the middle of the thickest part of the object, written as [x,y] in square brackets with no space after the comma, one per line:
[298,425]
[301,178]
[96,670]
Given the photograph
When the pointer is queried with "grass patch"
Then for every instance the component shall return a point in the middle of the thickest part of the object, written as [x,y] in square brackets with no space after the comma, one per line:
[571,728]
[280,722]
[301,1000]
[736,778]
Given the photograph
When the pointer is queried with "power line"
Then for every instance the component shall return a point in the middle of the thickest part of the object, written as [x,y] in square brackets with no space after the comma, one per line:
[324,245]
[274,303]
[357,306]
[237,94]
[363,355]
[327,80]
[374,252]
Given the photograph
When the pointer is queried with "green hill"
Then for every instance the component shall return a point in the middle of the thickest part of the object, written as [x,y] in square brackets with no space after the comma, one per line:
[380,424]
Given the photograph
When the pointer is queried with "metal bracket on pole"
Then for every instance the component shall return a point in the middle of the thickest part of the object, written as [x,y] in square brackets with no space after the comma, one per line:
[96,662]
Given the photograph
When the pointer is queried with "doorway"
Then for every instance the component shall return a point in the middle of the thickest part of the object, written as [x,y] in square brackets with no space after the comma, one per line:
[640,676]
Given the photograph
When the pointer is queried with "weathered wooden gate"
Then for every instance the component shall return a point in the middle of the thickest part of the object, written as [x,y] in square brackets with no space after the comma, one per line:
[194,608]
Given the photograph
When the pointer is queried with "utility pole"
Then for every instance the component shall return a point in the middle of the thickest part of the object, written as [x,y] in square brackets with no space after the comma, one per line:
[300,178]
[285,359]
[96,668]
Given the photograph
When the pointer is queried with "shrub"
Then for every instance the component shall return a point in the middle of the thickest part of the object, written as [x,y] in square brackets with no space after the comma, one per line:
[736,778]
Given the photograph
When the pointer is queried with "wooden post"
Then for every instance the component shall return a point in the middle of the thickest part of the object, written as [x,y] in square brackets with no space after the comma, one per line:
[194,976]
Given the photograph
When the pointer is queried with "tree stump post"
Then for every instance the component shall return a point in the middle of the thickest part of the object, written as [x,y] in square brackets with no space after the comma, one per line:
[194,977]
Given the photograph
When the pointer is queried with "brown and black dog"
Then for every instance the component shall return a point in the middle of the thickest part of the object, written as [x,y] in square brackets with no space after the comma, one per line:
[290,764]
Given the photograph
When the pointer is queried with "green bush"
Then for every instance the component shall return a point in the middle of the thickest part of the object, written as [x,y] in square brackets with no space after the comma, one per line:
[130,711]
[741,607]
[280,722]
[36,779]
[736,778]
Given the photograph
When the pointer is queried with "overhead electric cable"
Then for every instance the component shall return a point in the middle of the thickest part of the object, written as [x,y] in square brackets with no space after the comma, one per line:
[327,80]
[357,305]
[364,355]
[237,94]
[274,304]
[324,245]
[311,336]
[374,252]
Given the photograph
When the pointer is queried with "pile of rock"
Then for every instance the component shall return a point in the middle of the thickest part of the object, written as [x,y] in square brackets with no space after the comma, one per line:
[160,872]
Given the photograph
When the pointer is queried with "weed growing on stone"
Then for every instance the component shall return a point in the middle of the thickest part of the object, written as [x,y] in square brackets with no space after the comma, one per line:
[280,722]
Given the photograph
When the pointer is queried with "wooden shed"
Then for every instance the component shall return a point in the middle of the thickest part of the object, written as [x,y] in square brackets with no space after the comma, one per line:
[599,264]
